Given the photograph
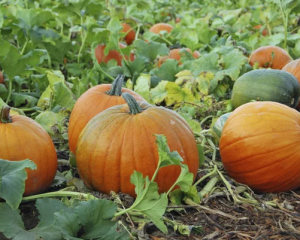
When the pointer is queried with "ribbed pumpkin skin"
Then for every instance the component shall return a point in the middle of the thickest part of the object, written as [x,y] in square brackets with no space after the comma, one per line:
[259,146]
[263,56]
[92,102]
[24,138]
[115,143]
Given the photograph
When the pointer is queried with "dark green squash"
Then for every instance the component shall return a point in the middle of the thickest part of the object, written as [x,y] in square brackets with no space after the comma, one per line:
[219,124]
[266,85]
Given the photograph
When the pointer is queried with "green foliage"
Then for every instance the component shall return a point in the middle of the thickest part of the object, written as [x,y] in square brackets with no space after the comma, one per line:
[12,180]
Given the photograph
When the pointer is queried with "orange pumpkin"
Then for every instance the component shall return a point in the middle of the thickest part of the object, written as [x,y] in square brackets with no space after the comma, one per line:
[121,139]
[176,54]
[130,36]
[293,67]
[22,138]
[264,31]
[92,102]
[259,146]
[112,54]
[157,28]
[270,57]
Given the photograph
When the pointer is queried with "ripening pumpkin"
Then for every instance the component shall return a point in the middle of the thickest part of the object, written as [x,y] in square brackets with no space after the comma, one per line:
[130,36]
[293,67]
[157,28]
[22,138]
[259,146]
[121,139]
[264,31]
[112,54]
[176,54]
[270,57]
[92,102]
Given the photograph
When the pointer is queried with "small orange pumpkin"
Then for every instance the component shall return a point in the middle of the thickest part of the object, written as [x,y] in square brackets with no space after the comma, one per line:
[121,139]
[157,28]
[176,54]
[130,36]
[270,57]
[112,54]
[92,102]
[259,146]
[22,138]
[293,67]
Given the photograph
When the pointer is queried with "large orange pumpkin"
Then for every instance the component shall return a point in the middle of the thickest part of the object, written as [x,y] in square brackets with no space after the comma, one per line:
[259,146]
[121,139]
[130,36]
[293,67]
[270,57]
[112,54]
[176,54]
[22,138]
[92,102]
[157,28]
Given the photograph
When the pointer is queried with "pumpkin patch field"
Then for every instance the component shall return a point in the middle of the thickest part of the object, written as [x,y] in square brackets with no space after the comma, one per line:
[149,119]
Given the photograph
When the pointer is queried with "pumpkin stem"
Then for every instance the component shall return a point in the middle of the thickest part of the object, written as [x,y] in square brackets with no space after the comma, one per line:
[4,115]
[116,86]
[134,107]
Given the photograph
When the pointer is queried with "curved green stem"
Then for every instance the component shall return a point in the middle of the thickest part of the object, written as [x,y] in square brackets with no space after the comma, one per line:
[213,172]
[103,72]
[59,194]
[5,118]
[134,107]
[116,87]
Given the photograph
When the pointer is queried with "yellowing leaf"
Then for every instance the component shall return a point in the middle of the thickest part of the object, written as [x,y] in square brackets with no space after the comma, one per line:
[159,93]
[176,94]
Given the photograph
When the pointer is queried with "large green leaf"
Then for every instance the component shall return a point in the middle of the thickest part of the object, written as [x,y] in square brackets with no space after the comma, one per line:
[12,180]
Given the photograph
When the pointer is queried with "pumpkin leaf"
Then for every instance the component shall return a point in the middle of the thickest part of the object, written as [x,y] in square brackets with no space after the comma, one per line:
[176,94]
[58,220]
[150,51]
[148,200]
[12,180]
[159,93]
[143,85]
[166,157]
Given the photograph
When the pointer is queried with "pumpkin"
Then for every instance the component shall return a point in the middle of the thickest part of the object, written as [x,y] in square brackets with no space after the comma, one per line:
[293,67]
[157,28]
[266,85]
[112,54]
[92,102]
[121,139]
[259,146]
[270,57]
[130,33]
[22,138]
[176,54]
[264,31]
[219,124]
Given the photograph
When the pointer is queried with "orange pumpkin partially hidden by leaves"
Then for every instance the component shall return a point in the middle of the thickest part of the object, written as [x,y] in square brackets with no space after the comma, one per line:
[264,31]
[112,54]
[293,67]
[157,28]
[22,138]
[259,146]
[270,57]
[121,139]
[130,36]
[176,54]
[92,102]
